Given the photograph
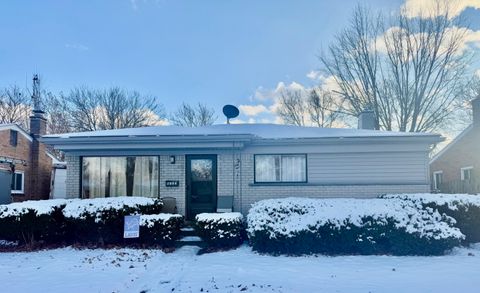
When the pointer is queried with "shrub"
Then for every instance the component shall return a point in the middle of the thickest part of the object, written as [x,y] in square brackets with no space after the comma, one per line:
[223,230]
[464,208]
[298,226]
[161,229]
[33,221]
[100,220]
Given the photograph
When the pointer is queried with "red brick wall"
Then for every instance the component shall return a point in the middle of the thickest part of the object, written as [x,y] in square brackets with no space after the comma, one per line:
[464,153]
[37,183]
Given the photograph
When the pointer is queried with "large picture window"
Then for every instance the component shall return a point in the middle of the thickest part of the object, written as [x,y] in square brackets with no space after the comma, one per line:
[280,168]
[119,176]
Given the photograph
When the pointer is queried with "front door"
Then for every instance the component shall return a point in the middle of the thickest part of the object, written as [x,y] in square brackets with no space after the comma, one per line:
[201,182]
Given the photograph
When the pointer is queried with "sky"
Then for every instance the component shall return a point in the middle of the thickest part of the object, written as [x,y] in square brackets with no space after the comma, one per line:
[214,52]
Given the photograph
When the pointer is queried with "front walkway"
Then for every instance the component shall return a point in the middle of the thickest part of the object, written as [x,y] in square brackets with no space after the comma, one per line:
[127,270]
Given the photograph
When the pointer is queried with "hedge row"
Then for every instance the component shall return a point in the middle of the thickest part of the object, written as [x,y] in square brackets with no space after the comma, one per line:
[297,226]
[87,222]
[464,208]
[225,230]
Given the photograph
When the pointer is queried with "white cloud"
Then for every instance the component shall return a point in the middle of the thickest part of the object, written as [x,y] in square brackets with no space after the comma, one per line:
[427,8]
[314,75]
[470,38]
[78,47]
[253,110]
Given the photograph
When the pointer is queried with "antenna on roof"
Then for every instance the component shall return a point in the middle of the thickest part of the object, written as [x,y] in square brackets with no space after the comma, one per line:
[36,93]
[230,112]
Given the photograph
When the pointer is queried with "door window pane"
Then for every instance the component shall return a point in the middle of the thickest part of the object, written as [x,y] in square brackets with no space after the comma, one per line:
[201,170]
[119,176]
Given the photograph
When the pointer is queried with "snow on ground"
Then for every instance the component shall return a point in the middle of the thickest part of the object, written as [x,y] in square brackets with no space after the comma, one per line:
[240,270]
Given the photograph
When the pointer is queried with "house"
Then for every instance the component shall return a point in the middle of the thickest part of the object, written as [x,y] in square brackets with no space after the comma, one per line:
[22,154]
[456,168]
[213,168]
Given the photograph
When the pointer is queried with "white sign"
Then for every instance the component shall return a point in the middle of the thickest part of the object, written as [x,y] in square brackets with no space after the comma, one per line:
[131,227]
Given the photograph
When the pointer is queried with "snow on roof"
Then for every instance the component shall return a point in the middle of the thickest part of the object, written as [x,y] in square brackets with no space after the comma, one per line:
[265,131]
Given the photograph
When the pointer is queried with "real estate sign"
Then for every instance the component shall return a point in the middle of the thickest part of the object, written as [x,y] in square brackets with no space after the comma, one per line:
[131,227]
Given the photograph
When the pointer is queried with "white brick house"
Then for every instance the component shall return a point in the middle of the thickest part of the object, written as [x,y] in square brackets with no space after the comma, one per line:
[199,166]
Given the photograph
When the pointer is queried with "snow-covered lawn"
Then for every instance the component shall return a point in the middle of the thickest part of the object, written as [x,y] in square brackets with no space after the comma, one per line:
[241,270]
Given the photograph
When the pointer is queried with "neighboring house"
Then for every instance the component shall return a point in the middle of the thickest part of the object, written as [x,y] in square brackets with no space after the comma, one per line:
[456,168]
[212,168]
[28,158]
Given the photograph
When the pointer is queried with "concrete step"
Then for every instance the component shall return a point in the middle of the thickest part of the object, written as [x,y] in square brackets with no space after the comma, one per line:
[189,237]
[190,240]
[188,231]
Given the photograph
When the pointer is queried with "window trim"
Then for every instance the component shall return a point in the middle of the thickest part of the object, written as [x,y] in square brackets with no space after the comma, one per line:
[279,182]
[435,183]
[13,133]
[462,175]
[22,191]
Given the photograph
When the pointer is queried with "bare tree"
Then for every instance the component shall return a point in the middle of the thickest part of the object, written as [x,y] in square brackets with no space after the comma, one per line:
[293,107]
[407,74]
[192,116]
[323,108]
[110,109]
[318,107]
[463,106]
[58,113]
[15,106]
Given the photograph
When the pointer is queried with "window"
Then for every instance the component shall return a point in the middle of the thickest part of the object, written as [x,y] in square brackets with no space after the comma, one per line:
[18,180]
[119,176]
[466,173]
[13,138]
[437,179]
[280,168]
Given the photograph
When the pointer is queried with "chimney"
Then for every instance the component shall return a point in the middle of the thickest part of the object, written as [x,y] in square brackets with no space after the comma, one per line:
[39,166]
[476,111]
[366,120]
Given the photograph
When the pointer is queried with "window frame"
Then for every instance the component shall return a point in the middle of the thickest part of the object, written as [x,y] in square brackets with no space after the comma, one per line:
[81,158]
[21,191]
[13,138]
[435,182]
[255,181]
[462,174]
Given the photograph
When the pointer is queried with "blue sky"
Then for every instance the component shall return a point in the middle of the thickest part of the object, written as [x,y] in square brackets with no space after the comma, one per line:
[214,52]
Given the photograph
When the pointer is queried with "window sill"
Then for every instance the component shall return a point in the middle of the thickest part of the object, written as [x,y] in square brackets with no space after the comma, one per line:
[279,184]
[18,193]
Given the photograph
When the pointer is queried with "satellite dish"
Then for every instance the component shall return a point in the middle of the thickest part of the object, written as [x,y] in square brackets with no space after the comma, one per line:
[230,112]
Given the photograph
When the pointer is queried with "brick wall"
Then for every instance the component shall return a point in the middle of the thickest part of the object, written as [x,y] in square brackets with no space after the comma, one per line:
[463,153]
[73,176]
[173,172]
[37,172]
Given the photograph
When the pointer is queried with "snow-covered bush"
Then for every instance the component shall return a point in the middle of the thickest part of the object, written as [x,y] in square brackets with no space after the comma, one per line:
[349,226]
[33,221]
[464,208]
[221,229]
[161,229]
[100,220]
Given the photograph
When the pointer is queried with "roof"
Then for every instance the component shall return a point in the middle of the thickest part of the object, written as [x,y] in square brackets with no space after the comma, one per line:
[13,126]
[452,143]
[259,131]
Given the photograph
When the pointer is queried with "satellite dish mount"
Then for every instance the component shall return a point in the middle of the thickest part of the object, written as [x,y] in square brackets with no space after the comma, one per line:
[230,112]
